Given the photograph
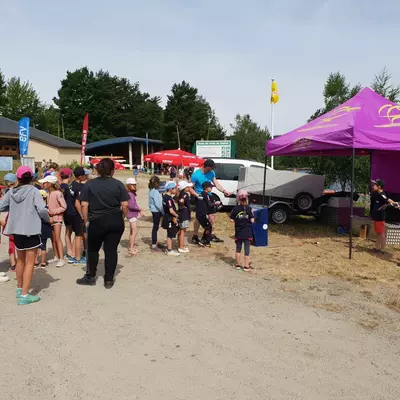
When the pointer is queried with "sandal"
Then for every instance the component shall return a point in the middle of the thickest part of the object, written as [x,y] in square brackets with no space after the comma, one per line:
[247,268]
[238,267]
[44,265]
[133,252]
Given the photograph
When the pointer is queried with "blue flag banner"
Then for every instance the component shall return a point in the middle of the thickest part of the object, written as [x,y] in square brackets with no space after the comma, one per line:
[24,133]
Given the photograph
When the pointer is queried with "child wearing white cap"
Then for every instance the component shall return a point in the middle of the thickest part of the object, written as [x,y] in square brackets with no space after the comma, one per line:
[184,214]
[134,213]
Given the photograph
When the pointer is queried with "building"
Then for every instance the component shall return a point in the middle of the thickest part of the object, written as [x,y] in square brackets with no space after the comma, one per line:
[131,149]
[42,145]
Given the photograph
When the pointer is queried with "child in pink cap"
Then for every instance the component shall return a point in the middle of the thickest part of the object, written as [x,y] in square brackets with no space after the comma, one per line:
[26,211]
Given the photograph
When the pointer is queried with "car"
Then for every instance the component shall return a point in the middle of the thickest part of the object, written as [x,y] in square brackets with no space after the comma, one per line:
[227,173]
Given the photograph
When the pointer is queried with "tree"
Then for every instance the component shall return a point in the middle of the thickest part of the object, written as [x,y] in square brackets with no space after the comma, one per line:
[190,115]
[381,84]
[21,100]
[3,90]
[250,138]
[116,107]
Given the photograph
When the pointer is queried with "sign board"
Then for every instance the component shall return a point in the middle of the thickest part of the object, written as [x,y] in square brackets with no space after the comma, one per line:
[215,148]
[6,164]
[29,162]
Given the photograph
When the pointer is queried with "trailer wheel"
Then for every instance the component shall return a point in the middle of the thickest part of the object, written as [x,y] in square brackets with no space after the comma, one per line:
[303,202]
[279,214]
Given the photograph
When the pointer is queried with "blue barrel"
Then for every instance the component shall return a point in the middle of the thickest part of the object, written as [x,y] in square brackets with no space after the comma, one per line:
[260,226]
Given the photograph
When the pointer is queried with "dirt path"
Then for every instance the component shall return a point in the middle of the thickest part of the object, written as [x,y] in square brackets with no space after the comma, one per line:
[187,328]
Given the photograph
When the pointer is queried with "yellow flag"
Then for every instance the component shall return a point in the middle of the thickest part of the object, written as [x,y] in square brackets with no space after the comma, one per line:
[274,93]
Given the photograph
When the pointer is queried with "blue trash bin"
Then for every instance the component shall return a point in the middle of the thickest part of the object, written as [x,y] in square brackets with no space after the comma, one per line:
[260,226]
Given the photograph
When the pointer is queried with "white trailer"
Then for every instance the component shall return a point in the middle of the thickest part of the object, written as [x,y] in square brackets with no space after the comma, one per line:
[285,191]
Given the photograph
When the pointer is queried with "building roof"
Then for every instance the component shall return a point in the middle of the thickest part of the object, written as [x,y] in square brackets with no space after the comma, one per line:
[10,127]
[128,139]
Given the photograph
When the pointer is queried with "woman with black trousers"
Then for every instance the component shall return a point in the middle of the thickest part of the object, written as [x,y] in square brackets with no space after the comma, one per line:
[156,208]
[104,203]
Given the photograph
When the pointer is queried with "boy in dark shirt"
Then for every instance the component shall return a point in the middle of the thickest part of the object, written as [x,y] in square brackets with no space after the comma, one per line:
[184,213]
[204,206]
[243,217]
[379,202]
[170,219]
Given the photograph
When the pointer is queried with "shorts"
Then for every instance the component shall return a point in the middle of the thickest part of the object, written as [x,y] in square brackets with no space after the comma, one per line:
[133,219]
[380,227]
[170,226]
[184,224]
[43,246]
[11,245]
[23,242]
[76,223]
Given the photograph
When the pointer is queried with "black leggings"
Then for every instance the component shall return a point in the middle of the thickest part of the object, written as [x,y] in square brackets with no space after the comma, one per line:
[156,225]
[206,225]
[107,229]
[246,243]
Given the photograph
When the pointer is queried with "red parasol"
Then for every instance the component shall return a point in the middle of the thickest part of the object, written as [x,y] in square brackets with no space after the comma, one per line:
[175,157]
[117,165]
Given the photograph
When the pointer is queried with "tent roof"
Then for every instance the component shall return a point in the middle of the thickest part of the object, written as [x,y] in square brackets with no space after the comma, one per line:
[366,122]
[120,140]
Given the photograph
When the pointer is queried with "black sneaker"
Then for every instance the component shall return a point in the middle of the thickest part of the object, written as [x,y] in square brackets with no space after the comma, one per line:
[86,280]
[195,240]
[216,240]
[108,284]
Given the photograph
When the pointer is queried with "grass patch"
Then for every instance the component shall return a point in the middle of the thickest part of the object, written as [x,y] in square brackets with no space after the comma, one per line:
[393,301]
[368,323]
[329,306]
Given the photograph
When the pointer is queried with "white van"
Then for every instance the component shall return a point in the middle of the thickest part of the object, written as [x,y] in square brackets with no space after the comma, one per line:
[227,173]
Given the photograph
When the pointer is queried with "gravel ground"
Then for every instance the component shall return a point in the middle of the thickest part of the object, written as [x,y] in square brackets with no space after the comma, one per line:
[186,328]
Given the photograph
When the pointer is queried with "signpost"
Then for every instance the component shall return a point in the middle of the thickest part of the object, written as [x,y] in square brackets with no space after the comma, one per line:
[215,148]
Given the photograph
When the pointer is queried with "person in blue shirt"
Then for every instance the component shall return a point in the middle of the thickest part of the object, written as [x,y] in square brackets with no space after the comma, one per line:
[205,174]
[156,209]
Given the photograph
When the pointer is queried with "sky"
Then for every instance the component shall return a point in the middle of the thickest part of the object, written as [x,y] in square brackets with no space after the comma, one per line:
[229,50]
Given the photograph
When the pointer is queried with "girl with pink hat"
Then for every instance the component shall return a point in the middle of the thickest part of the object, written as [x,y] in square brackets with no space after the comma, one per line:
[26,211]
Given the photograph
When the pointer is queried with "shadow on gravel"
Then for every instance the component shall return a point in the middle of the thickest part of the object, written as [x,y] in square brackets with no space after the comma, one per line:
[42,280]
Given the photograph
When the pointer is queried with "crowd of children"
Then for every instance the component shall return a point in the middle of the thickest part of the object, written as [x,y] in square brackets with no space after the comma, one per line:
[31,222]
[38,208]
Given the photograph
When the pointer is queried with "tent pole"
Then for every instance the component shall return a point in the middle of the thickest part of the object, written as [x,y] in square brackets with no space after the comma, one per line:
[351,204]
[265,180]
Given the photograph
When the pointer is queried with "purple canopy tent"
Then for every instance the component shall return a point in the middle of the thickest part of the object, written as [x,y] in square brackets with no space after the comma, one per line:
[367,124]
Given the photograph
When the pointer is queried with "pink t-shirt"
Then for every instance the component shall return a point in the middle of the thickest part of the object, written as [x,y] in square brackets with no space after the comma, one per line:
[56,205]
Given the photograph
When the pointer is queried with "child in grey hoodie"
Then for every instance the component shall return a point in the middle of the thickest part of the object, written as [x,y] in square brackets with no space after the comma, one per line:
[26,211]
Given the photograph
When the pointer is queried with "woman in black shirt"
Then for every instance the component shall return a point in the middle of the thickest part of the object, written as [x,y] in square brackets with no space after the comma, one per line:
[104,205]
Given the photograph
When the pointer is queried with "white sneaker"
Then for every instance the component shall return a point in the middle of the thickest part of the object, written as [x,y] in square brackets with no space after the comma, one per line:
[4,278]
[60,264]
[54,260]
[184,250]
[3,274]
[172,253]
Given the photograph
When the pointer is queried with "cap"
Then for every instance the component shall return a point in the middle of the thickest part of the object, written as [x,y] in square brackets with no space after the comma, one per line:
[79,171]
[170,186]
[183,185]
[379,182]
[66,172]
[207,185]
[242,194]
[23,170]
[131,181]
[209,163]
[49,179]
[10,177]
